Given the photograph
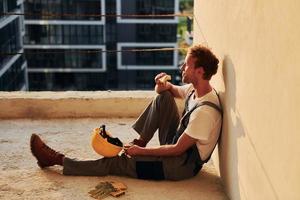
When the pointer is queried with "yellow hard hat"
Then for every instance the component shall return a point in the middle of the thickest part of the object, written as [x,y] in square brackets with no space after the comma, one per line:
[104,144]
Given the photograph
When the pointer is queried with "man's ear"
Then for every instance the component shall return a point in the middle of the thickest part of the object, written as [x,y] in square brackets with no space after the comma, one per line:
[200,71]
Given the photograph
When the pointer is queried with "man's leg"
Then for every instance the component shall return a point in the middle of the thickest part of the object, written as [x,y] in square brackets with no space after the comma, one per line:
[47,157]
[142,167]
[162,114]
[119,165]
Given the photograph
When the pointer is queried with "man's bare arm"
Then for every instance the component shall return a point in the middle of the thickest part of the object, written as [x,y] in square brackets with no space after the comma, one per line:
[183,143]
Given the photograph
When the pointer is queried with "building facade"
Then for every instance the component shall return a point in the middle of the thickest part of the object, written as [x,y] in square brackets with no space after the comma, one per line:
[13,67]
[71,44]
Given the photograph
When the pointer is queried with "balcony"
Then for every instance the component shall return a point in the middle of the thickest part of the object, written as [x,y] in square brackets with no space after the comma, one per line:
[65,120]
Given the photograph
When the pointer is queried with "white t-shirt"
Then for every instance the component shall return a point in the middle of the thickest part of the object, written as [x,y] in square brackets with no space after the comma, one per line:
[204,123]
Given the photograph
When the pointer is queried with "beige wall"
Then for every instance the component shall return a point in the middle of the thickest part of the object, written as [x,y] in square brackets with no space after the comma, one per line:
[258,43]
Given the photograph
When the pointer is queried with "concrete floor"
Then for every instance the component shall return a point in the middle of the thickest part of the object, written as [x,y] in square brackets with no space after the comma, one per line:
[21,178]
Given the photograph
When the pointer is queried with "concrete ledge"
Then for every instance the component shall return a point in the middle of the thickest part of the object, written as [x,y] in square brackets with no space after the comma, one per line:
[74,104]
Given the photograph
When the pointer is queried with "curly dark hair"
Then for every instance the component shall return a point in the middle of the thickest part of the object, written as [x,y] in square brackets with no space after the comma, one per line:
[206,59]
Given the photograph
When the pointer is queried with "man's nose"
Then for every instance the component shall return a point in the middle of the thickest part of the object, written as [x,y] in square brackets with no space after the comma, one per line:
[182,67]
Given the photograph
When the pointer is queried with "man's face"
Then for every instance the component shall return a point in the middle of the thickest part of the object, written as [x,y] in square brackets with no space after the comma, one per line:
[188,69]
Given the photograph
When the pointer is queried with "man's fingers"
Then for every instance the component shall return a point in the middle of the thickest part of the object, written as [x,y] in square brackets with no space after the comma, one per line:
[160,75]
[165,78]
[126,147]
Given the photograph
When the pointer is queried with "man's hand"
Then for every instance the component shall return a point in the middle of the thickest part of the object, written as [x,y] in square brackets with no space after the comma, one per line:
[184,142]
[161,86]
[132,150]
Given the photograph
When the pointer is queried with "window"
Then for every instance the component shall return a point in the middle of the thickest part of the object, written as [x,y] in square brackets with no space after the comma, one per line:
[10,39]
[57,7]
[64,34]
[14,78]
[147,7]
[144,58]
[64,58]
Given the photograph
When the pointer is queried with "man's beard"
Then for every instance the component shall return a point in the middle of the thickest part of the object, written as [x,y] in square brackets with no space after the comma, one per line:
[184,79]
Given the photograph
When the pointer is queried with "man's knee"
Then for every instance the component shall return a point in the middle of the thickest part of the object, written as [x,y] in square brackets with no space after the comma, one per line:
[165,96]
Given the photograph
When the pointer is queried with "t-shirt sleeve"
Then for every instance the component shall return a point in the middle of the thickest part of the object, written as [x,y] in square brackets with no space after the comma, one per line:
[200,125]
[184,90]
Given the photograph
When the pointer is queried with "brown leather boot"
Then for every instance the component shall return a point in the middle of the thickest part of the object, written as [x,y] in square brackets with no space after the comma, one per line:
[45,155]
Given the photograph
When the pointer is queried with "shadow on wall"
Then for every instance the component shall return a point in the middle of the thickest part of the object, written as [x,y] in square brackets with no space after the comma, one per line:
[232,130]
